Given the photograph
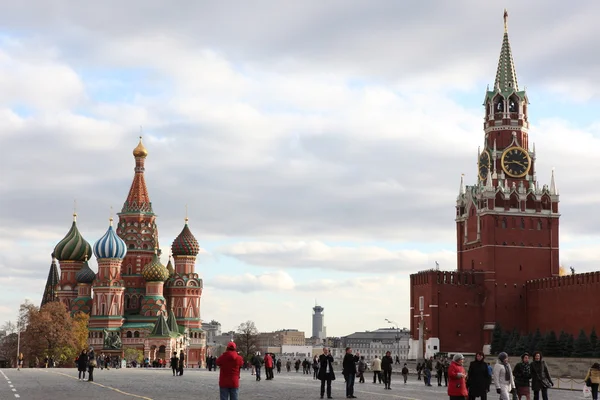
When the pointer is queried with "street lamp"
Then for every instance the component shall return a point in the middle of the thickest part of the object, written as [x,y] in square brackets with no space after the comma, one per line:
[18,343]
[394,323]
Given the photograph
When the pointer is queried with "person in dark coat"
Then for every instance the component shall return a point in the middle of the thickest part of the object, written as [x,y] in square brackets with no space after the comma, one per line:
[181,362]
[174,363]
[540,377]
[82,363]
[522,374]
[349,371]
[387,363]
[325,372]
[478,378]
[91,364]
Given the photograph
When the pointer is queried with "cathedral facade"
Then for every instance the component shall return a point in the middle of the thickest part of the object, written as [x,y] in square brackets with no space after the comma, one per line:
[134,301]
[507,235]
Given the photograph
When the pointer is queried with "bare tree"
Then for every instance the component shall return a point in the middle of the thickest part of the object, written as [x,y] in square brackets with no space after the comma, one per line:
[246,339]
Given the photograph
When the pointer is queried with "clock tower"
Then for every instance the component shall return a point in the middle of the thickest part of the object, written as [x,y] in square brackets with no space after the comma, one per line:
[507,223]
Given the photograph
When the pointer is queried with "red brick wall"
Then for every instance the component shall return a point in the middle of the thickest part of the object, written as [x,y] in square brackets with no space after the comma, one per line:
[568,303]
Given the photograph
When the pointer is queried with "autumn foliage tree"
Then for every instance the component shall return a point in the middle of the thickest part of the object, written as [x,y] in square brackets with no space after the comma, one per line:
[52,332]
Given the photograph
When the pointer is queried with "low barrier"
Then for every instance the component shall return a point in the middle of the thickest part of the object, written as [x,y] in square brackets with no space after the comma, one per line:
[568,383]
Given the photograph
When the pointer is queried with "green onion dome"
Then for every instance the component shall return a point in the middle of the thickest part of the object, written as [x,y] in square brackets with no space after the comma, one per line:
[73,247]
[154,271]
[185,244]
[85,274]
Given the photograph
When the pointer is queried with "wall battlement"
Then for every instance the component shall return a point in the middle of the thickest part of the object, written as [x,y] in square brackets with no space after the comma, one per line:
[436,277]
[564,281]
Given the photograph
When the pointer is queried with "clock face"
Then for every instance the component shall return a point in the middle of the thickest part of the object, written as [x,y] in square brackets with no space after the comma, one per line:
[516,162]
[484,165]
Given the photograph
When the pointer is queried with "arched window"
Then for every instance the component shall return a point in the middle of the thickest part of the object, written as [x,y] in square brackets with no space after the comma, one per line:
[513,104]
[129,334]
[498,104]
[131,245]
[522,223]
[539,225]
[136,334]
[504,223]
[127,301]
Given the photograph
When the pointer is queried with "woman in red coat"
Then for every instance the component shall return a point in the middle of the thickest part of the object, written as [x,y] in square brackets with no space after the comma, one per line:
[457,387]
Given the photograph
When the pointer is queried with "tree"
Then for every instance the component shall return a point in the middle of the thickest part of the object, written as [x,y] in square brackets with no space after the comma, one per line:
[496,347]
[522,345]
[246,339]
[582,346]
[593,341]
[552,347]
[569,346]
[52,332]
[134,355]
[536,341]
[563,341]
[511,346]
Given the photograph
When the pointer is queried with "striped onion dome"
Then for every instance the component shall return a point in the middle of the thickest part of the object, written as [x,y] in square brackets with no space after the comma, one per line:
[185,244]
[110,245]
[85,274]
[154,271]
[73,246]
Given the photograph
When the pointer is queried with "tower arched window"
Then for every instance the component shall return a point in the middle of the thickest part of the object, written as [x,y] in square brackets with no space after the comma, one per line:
[539,225]
[504,223]
[136,334]
[129,334]
[499,105]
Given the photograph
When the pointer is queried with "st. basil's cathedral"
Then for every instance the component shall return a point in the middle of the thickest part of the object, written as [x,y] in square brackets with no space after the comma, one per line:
[134,301]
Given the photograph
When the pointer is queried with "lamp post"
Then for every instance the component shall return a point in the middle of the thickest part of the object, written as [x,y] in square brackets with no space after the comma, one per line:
[394,323]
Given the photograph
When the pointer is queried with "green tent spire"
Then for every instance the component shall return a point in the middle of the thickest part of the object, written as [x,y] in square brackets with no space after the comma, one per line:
[506,75]
[172,322]
[160,327]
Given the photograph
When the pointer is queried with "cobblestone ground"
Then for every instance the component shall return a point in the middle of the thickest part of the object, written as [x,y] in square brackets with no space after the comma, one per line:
[198,384]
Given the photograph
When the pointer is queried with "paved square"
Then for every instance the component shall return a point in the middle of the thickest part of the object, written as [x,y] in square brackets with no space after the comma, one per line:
[38,384]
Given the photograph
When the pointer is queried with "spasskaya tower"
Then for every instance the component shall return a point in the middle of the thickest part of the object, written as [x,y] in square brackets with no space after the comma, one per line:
[507,223]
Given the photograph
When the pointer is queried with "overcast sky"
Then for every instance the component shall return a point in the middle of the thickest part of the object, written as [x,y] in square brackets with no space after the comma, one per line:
[319,146]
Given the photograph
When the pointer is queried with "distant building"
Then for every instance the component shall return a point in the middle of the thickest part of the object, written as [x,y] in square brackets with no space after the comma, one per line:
[370,344]
[318,328]
[212,329]
[285,337]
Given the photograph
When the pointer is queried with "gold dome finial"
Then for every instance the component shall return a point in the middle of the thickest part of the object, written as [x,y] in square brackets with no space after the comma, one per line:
[140,150]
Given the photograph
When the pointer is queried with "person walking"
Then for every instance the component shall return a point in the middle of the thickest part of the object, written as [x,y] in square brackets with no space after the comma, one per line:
[405,373]
[478,378]
[325,372]
[174,363]
[257,363]
[503,377]
[362,367]
[20,361]
[457,386]
[278,365]
[540,377]
[349,371]
[268,366]
[439,371]
[181,362]
[376,368]
[82,362]
[593,378]
[387,363]
[229,364]
[315,366]
[91,364]
[522,374]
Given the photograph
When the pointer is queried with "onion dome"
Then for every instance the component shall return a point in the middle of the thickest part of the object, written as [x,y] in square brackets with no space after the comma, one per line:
[185,244]
[154,271]
[73,247]
[110,245]
[170,268]
[140,150]
[85,274]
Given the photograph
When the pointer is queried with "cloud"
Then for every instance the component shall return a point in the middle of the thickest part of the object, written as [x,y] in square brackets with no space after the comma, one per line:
[318,255]
[246,283]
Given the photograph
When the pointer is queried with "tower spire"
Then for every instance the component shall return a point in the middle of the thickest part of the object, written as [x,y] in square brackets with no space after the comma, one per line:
[138,200]
[51,284]
[462,189]
[553,188]
[506,75]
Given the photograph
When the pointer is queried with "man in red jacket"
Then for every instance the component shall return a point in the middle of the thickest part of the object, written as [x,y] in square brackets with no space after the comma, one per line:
[230,363]
[457,388]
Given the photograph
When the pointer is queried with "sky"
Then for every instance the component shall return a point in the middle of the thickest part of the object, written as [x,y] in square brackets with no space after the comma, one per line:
[318,145]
